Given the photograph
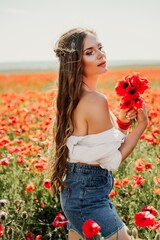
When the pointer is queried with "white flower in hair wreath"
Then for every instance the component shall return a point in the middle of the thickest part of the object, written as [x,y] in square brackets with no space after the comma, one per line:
[73,45]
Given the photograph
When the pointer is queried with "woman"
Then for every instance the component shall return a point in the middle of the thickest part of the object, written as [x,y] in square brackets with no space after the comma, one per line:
[90,141]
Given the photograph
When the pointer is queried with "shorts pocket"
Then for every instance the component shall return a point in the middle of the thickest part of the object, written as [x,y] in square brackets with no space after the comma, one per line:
[95,182]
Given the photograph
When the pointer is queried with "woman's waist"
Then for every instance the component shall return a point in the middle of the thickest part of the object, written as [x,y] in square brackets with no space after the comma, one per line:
[87,162]
[85,168]
[82,176]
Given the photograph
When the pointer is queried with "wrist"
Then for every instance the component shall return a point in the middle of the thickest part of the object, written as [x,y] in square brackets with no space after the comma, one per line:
[143,124]
[123,125]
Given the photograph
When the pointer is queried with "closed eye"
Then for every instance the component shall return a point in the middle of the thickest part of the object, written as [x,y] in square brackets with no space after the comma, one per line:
[89,52]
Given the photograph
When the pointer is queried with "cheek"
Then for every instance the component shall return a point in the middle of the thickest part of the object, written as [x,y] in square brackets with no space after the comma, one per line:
[89,65]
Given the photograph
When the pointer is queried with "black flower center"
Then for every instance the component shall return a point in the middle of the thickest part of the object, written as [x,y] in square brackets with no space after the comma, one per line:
[127,103]
[125,85]
[132,91]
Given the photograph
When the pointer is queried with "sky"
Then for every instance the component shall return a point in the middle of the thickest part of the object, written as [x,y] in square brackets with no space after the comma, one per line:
[128,29]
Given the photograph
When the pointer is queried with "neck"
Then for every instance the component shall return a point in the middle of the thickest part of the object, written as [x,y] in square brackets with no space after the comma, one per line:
[90,83]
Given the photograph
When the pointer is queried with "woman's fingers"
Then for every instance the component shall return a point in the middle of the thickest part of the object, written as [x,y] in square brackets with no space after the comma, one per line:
[131,114]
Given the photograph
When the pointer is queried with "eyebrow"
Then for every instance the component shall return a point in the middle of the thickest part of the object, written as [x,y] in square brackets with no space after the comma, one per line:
[99,44]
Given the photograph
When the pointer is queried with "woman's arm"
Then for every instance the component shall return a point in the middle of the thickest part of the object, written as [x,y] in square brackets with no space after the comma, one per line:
[133,137]
[125,116]
[96,113]
[114,122]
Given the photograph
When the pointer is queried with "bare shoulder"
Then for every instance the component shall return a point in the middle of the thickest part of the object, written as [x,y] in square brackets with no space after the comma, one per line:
[95,111]
[92,100]
[93,97]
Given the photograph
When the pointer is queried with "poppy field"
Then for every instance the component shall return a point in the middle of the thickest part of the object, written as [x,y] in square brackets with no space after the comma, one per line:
[27,209]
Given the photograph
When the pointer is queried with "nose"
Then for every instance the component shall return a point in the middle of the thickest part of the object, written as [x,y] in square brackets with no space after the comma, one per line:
[101,54]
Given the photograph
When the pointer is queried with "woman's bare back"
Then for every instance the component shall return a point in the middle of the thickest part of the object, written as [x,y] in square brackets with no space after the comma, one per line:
[91,115]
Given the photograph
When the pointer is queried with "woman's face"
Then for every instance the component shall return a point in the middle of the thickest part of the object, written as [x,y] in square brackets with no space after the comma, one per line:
[94,57]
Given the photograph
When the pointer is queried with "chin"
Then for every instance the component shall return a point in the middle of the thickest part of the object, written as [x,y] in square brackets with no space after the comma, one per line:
[104,71]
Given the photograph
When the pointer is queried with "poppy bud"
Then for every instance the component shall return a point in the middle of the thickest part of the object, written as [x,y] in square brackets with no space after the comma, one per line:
[24,215]
[3,215]
[134,232]
[3,202]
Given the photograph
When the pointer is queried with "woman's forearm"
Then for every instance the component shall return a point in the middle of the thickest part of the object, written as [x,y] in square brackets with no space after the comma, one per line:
[131,140]
[114,122]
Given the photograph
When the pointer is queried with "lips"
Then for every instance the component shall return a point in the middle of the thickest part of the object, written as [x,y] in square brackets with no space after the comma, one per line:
[102,64]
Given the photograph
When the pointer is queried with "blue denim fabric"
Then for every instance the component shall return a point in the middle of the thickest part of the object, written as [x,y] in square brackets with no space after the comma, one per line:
[87,197]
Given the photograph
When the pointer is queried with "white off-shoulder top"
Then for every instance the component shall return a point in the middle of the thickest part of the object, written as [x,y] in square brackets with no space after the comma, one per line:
[101,148]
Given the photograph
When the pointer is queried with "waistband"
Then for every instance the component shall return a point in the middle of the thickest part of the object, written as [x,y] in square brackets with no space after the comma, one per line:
[84,168]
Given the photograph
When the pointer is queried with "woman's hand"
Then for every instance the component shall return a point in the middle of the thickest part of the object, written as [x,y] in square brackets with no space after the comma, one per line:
[142,116]
[126,115]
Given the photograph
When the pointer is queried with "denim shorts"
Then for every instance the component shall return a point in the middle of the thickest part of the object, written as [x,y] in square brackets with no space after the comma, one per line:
[86,196]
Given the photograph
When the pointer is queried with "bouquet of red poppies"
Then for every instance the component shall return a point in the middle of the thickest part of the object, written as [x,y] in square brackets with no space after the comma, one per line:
[130,89]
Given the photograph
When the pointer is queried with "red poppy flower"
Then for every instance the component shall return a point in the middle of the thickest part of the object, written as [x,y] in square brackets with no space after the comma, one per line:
[4,162]
[151,209]
[30,187]
[155,226]
[140,165]
[41,166]
[126,102]
[117,183]
[29,236]
[122,86]
[4,142]
[59,220]
[1,230]
[138,102]
[141,84]
[125,181]
[47,183]
[133,92]
[113,193]
[90,228]
[156,190]
[38,237]
[20,161]
[138,180]
[148,165]
[42,204]
[157,180]
[130,89]
[144,219]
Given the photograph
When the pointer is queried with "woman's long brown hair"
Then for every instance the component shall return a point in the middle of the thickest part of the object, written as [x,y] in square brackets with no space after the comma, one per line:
[69,50]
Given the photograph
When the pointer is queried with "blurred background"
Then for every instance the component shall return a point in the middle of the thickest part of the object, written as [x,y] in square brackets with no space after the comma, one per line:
[29,29]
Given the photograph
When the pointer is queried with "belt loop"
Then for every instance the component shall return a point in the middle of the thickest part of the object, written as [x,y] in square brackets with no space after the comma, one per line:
[71,167]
